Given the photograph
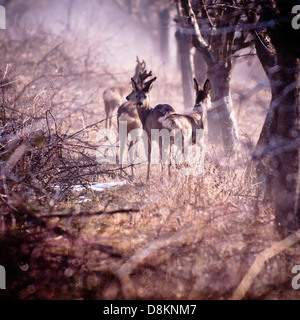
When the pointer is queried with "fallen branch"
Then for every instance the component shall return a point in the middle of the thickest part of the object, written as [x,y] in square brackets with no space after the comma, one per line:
[190,233]
[259,262]
[88,213]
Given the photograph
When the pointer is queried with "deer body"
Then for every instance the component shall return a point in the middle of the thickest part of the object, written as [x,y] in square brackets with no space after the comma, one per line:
[193,121]
[182,122]
[190,124]
[113,97]
[128,113]
[151,118]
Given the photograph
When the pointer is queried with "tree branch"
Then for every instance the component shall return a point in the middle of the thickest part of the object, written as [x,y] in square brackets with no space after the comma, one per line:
[197,38]
[259,262]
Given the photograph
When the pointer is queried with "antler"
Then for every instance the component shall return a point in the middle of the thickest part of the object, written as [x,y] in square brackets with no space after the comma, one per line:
[140,67]
[143,76]
[143,64]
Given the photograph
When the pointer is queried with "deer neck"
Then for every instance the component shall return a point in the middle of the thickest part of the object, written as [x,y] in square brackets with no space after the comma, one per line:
[197,116]
[143,112]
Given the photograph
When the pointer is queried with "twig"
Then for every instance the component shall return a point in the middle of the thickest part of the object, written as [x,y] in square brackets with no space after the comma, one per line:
[259,262]
[49,52]
[81,146]
[89,126]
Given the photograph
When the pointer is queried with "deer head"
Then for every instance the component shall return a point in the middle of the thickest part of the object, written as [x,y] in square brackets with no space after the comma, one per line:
[141,94]
[141,81]
[202,96]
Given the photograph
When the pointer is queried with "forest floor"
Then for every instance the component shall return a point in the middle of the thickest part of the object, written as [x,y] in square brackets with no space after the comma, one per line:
[179,237]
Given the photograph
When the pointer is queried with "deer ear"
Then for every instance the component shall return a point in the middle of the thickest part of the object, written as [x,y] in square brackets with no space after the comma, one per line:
[197,86]
[135,86]
[149,85]
[207,86]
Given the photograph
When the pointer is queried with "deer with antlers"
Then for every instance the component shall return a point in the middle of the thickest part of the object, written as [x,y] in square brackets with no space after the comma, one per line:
[152,118]
[115,96]
[127,113]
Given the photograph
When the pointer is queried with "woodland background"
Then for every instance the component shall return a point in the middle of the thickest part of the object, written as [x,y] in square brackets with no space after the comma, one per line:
[188,237]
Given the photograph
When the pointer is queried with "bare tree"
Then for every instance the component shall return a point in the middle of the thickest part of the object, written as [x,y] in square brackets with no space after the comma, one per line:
[213,26]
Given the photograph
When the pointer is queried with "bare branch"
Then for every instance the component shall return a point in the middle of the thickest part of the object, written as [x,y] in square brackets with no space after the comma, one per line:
[259,262]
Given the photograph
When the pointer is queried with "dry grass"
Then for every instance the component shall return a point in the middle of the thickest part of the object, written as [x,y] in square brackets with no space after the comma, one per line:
[191,238]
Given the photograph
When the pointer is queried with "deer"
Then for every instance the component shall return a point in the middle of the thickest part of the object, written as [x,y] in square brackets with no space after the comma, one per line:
[151,118]
[127,112]
[190,123]
[194,120]
[113,97]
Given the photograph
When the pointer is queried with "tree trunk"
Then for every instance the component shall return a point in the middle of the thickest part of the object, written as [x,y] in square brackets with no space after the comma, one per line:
[184,50]
[164,17]
[200,68]
[222,126]
[268,59]
[284,146]
[283,119]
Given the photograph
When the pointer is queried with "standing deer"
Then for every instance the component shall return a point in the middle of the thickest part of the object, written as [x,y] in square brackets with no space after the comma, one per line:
[115,96]
[151,118]
[127,112]
[194,120]
[191,123]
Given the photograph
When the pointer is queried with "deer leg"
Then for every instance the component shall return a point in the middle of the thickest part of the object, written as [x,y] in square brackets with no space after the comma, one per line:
[149,159]
[106,107]
[169,164]
[162,166]
[131,160]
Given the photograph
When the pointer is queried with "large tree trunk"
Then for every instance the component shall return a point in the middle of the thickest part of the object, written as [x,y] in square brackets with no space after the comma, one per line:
[281,132]
[184,50]
[268,59]
[284,145]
